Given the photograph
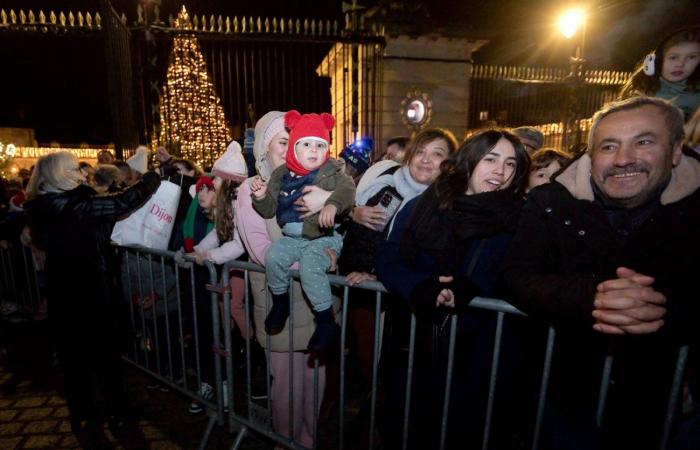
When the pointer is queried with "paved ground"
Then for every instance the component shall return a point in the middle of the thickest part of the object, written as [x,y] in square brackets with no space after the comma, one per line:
[33,413]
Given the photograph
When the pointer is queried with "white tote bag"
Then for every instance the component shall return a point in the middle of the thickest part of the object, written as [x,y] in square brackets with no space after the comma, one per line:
[151,225]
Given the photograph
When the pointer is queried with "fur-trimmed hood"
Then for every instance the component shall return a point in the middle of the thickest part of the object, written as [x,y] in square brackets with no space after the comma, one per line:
[685,179]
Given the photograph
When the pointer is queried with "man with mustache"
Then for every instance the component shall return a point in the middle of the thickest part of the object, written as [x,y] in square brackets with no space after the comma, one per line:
[607,253]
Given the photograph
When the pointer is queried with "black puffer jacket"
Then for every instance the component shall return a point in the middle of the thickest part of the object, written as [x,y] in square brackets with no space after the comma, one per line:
[73,228]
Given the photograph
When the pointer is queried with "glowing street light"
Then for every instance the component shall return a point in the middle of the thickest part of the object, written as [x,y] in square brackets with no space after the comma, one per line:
[570,22]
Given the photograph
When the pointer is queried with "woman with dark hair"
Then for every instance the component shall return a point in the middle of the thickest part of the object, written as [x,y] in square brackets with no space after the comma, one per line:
[445,248]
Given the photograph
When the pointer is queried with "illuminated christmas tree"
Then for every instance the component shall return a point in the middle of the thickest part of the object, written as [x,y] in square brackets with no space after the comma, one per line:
[191,115]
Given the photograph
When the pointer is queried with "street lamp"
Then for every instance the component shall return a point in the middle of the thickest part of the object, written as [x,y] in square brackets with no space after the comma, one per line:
[570,21]
[569,24]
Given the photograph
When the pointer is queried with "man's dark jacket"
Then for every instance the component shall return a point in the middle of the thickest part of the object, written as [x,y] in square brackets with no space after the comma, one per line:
[564,247]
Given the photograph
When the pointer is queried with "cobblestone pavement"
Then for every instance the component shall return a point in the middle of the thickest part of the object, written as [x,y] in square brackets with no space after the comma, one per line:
[34,415]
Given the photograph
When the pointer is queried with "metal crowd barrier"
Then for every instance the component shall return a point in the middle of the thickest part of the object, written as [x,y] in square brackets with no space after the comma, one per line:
[163,296]
[253,417]
[168,329]
[19,286]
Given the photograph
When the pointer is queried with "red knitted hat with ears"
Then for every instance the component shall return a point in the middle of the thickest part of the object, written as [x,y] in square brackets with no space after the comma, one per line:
[306,126]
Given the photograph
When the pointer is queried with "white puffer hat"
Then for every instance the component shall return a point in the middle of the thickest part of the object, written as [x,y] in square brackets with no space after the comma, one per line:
[139,161]
[267,127]
[231,165]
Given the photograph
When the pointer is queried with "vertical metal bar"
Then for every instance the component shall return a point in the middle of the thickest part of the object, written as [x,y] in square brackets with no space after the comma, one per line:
[261,84]
[604,385]
[343,337]
[216,330]
[222,85]
[276,103]
[129,297]
[253,84]
[5,276]
[316,403]
[195,327]
[231,89]
[268,351]
[448,381]
[228,344]
[14,294]
[409,381]
[676,389]
[283,71]
[180,327]
[247,337]
[27,294]
[35,276]
[167,319]
[245,86]
[375,366]
[144,329]
[543,388]
[239,97]
[494,376]
[290,394]
[154,314]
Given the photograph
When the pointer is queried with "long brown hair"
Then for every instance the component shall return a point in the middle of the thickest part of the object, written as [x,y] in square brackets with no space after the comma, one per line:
[456,170]
[223,217]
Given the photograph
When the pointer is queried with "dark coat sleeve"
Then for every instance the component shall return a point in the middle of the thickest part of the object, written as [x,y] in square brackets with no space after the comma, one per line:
[99,209]
[392,269]
[531,278]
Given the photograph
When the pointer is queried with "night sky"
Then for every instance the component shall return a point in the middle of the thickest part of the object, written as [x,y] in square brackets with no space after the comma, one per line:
[47,85]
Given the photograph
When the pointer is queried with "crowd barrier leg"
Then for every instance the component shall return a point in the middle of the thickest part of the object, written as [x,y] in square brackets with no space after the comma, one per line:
[375,367]
[544,385]
[492,382]
[409,382]
[604,387]
[675,394]
[448,380]
[343,339]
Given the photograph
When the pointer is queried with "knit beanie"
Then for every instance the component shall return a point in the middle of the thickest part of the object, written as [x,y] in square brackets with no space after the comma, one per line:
[204,181]
[231,165]
[358,155]
[139,161]
[307,126]
[533,136]
[267,127]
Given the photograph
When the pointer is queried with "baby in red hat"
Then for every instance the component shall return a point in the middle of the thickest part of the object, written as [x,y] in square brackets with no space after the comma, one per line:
[304,239]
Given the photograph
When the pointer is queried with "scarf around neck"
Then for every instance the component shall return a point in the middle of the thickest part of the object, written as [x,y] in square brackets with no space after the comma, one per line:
[401,180]
[471,217]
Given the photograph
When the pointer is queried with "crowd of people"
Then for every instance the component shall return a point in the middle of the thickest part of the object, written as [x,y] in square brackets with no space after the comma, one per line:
[599,245]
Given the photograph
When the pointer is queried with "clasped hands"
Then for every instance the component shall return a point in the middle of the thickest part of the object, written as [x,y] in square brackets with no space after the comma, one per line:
[628,304]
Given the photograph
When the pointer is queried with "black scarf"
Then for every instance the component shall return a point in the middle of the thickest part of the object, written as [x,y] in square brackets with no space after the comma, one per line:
[446,234]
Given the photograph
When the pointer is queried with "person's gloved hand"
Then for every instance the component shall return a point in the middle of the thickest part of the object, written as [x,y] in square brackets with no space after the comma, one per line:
[151,180]
[181,261]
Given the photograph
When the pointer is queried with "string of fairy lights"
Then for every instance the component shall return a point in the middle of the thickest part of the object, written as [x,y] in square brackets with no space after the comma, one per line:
[192,121]
[11,154]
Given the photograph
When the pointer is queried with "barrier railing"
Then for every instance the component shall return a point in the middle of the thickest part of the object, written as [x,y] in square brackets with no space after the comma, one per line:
[174,312]
[19,287]
[248,418]
[169,301]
